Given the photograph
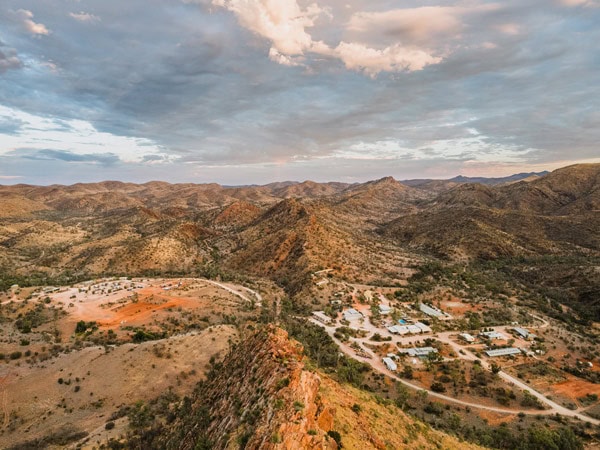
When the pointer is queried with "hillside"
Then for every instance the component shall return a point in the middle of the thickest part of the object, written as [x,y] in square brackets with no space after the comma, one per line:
[262,395]
[555,214]
[284,231]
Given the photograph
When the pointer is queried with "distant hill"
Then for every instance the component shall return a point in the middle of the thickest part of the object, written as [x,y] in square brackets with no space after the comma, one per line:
[444,185]
[286,230]
[554,214]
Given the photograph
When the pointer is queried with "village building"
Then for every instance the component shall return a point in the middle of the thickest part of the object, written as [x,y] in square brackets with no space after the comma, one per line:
[502,352]
[352,315]
[424,328]
[419,352]
[390,364]
[322,317]
[385,309]
[432,311]
[524,333]
[398,329]
[492,335]
[467,337]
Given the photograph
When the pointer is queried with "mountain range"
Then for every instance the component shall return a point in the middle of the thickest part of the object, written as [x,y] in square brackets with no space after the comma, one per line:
[286,230]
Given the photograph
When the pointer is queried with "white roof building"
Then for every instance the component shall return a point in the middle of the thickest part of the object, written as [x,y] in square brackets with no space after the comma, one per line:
[418,351]
[503,352]
[390,364]
[321,317]
[433,311]
[492,335]
[424,328]
[522,332]
[413,329]
[352,315]
[385,309]
[398,329]
[467,337]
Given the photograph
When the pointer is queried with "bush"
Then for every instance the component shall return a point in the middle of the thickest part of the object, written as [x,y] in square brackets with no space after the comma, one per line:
[337,437]
[109,425]
[436,386]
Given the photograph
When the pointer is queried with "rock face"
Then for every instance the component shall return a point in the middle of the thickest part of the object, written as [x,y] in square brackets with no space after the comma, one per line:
[262,396]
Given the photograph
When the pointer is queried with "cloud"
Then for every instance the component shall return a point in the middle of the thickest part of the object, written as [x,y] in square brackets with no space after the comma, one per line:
[84,17]
[395,58]
[25,18]
[284,23]
[410,25]
[187,91]
[69,137]
[9,59]
[106,159]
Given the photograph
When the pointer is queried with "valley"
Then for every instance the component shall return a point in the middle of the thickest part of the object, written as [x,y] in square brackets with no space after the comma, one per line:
[151,315]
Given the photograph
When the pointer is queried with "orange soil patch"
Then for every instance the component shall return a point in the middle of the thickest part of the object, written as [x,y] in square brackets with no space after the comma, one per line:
[141,311]
[575,388]
[458,307]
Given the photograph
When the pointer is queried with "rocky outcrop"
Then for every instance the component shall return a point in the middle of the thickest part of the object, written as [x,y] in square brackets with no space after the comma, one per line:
[260,397]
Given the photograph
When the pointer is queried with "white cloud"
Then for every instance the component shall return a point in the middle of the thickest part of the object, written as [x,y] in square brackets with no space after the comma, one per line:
[84,17]
[76,136]
[284,23]
[395,58]
[25,18]
[284,60]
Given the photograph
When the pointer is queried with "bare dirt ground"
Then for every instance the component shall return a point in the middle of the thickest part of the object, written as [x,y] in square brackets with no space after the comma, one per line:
[82,385]
[96,382]
[575,388]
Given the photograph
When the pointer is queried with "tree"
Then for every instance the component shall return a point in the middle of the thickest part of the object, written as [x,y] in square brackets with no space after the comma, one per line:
[495,368]
[402,395]
[81,327]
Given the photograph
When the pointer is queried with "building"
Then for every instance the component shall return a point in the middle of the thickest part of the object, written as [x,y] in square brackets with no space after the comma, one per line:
[416,328]
[413,329]
[433,311]
[385,309]
[396,329]
[420,352]
[424,328]
[390,364]
[524,333]
[491,335]
[502,352]
[322,317]
[467,337]
[352,315]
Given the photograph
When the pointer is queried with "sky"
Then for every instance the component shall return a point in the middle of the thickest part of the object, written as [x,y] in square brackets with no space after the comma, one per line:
[254,91]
